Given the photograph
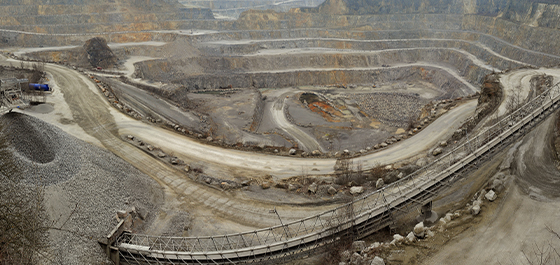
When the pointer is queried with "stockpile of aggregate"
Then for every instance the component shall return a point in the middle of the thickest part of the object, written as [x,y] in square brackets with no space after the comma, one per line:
[80,180]
[395,109]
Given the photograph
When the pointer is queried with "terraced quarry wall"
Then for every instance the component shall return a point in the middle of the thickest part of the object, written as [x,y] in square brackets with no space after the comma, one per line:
[179,70]
[79,17]
[440,79]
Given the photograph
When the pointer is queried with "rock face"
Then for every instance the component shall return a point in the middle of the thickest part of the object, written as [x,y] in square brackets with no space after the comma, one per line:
[99,54]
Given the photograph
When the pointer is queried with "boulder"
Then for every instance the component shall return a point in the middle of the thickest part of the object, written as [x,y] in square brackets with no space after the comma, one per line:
[419,230]
[161,154]
[491,196]
[377,261]
[312,188]
[266,185]
[293,151]
[316,153]
[379,184]
[421,162]
[356,259]
[383,145]
[437,151]
[429,233]
[497,185]
[121,214]
[356,190]
[345,256]
[346,151]
[475,210]
[397,239]
[477,202]
[410,237]
[358,246]
[443,144]
[331,190]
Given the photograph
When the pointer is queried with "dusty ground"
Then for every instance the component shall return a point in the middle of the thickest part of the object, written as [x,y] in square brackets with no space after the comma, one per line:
[516,231]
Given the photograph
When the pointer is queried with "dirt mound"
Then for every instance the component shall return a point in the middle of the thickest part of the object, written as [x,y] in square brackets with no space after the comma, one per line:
[180,48]
[99,54]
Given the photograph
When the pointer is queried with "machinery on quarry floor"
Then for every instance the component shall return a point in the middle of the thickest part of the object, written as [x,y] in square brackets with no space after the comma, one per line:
[18,93]
[11,95]
[358,218]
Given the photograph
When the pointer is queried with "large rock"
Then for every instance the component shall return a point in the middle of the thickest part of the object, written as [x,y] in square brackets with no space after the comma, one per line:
[377,261]
[356,190]
[379,184]
[312,188]
[397,239]
[491,196]
[411,237]
[99,54]
[421,162]
[356,259]
[437,151]
[266,185]
[293,151]
[345,256]
[475,210]
[419,230]
[358,246]
[331,190]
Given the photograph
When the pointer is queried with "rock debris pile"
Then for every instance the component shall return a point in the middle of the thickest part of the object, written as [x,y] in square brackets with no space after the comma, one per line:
[395,109]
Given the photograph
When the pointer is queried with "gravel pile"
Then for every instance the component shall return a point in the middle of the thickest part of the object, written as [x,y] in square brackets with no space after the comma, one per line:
[395,109]
[81,181]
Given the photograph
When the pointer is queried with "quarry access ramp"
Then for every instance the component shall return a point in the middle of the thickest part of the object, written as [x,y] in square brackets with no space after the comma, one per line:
[356,219]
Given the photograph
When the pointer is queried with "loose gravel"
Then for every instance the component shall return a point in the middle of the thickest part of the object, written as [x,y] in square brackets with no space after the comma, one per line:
[395,109]
[81,181]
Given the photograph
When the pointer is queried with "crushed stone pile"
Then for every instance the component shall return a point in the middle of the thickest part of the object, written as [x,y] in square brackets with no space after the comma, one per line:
[80,180]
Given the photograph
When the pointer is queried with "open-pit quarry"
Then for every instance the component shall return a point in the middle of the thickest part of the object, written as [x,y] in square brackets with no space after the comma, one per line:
[336,132]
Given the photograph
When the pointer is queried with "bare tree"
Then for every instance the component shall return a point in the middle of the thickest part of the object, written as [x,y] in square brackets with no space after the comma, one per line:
[544,253]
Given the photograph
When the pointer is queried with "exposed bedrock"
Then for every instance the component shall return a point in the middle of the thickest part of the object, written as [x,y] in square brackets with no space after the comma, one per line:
[73,16]
[448,84]
[481,52]
[218,67]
